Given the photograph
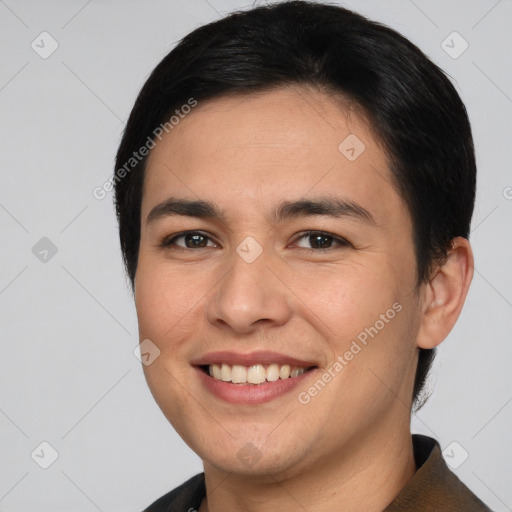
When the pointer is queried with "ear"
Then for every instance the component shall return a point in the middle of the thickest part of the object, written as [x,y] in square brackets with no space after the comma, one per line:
[445,294]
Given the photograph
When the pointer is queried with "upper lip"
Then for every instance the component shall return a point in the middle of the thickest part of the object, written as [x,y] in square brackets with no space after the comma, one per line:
[250,359]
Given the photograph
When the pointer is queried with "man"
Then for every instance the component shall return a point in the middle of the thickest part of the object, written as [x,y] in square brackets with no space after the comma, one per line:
[294,192]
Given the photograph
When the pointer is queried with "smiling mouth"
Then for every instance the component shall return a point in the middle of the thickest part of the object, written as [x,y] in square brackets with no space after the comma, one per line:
[254,374]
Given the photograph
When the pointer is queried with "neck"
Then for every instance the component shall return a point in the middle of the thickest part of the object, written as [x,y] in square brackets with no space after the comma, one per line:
[365,476]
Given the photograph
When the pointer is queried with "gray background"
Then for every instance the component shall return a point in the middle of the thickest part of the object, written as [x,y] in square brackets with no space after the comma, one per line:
[68,375]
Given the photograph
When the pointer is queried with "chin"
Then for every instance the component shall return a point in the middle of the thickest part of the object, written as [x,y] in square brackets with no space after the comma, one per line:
[247,453]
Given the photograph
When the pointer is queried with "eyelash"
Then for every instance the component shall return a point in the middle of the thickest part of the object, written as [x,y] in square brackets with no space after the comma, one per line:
[342,242]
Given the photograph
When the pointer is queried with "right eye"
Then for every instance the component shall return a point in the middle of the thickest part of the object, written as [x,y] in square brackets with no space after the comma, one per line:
[189,240]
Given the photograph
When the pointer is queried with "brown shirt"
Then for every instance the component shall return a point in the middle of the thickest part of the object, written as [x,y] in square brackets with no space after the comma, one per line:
[433,488]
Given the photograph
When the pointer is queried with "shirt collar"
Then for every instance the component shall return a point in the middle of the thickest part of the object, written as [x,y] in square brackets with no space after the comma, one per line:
[434,486]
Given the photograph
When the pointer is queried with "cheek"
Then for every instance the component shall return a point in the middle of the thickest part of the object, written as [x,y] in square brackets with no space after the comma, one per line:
[343,301]
[163,305]
[164,299]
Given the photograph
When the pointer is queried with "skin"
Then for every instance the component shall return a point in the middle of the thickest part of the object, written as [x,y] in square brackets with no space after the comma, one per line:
[246,154]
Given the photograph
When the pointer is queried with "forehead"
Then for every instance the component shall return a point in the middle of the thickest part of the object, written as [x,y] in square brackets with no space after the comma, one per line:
[291,142]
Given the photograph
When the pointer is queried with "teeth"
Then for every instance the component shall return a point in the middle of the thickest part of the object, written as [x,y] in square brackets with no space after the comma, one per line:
[215,371]
[239,374]
[273,373]
[255,374]
[296,372]
[225,373]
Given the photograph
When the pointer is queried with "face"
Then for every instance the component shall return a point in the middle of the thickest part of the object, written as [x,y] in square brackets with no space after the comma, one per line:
[276,276]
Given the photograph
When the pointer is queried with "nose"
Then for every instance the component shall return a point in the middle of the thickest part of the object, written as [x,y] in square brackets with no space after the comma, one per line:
[250,295]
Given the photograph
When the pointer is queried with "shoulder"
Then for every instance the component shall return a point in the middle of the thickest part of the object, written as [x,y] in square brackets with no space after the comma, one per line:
[187,497]
[434,487]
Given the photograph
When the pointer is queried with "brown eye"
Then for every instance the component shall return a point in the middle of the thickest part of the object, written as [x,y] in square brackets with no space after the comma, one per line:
[189,240]
[321,240]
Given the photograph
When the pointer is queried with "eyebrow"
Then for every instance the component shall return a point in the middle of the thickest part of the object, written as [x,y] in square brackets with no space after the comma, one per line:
[328,206]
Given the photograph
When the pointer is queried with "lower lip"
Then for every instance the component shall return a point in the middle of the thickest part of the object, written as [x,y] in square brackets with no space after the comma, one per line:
[250,393]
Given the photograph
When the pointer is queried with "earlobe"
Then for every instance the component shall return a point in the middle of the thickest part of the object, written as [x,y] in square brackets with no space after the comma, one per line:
[445,294]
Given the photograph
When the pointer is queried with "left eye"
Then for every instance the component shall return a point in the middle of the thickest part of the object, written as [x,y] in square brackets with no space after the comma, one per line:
[321,240]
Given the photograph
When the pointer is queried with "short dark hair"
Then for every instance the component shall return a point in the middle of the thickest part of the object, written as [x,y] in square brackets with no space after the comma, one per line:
[414,111]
